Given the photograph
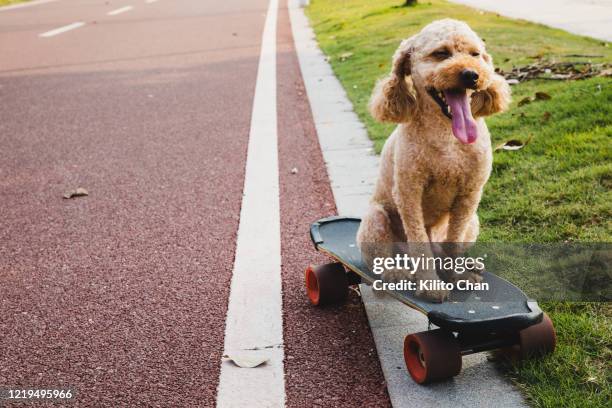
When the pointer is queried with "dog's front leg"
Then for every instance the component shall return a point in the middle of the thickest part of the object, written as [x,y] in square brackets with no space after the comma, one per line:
[463,217]
[409,199]
[461,214]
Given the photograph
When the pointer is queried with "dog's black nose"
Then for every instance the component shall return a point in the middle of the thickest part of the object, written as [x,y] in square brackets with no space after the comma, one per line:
[469,78]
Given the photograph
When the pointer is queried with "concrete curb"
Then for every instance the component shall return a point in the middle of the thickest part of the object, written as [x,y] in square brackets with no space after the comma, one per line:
[353,167]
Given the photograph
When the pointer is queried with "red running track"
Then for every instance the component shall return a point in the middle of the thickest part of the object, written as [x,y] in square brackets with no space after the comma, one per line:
[123,294]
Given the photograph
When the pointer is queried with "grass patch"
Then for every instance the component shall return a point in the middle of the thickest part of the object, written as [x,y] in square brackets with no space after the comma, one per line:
[555,189]
[577,375]
[8,2]
[371,31]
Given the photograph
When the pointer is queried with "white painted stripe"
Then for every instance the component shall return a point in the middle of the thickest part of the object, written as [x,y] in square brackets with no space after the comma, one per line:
[119,11]
[150,1]
[24,5]
[254,316]
[62,29]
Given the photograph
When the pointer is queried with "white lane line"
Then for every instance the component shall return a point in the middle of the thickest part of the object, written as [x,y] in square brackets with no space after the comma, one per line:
[254,314]
[150,1]
[119,11]
[62,29]
[27,4]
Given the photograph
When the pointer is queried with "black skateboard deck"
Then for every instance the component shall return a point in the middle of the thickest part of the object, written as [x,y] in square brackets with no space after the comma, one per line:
[502,306]
[500,318]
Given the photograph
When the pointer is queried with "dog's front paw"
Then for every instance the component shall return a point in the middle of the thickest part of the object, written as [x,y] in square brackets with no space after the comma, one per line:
[433,295]
[474,276]
[430,287]
[396,275]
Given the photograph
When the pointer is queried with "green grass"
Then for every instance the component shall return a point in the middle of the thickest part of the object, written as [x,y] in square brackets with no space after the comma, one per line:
[7,2]
[555,189]
[372,30]
[578,374]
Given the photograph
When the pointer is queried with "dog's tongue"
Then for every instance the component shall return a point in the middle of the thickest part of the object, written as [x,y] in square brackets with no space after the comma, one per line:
[464,125]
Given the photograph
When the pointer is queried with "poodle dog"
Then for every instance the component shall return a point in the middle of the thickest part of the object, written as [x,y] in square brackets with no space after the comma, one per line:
[435,164]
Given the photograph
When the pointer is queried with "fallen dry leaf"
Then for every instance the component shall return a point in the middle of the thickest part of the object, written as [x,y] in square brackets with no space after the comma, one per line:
[246,361]
[526,100]
[546,117]
[79,192]
[513,144]
[542,96]
[345,55]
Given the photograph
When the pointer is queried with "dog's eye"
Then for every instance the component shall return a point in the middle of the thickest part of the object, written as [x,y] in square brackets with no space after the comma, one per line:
[441,54]
[475,54]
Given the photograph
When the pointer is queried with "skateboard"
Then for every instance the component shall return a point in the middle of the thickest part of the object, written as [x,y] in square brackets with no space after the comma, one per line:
[501,318]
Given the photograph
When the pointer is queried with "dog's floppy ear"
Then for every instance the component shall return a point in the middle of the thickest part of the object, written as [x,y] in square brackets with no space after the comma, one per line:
[495,98]
[391,100]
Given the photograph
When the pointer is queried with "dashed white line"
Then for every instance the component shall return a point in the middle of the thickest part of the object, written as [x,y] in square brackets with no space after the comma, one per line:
[254,323]
[62,29]
[119,11]
[150,1]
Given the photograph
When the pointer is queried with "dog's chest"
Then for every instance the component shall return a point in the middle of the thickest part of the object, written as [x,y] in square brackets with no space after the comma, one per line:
[455,170]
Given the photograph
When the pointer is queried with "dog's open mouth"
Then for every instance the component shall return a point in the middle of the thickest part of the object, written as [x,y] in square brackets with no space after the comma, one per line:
[455,104]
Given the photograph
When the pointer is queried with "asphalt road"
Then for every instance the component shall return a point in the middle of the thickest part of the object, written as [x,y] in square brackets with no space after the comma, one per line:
[122,294]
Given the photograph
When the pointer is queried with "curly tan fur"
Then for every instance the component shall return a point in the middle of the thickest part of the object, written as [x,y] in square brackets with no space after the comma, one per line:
[430,184]
[493,99]
[392,100]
